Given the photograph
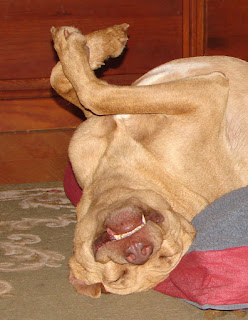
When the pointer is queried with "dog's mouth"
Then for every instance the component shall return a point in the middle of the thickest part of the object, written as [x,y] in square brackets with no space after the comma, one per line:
[124,235]
[111,235]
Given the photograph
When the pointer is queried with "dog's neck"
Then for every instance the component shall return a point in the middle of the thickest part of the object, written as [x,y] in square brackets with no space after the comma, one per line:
[155,193]
[119,178]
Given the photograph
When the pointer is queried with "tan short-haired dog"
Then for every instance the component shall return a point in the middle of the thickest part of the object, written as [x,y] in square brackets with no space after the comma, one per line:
[149,157]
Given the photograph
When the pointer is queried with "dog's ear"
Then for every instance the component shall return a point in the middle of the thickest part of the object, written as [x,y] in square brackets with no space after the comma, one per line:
[188,233]
[180,235]
[93,290]
[75,277]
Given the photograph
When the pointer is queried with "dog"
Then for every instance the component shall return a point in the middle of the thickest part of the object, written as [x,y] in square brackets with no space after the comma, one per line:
[149,157]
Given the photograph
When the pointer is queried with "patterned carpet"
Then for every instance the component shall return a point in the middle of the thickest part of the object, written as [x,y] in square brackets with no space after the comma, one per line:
[32,222]
[36,236]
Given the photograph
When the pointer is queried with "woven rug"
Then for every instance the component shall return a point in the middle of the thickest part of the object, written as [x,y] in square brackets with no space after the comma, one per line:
[36,235]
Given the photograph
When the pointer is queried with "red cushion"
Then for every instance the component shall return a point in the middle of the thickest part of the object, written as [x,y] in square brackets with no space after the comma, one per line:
[72,189]
[210,279]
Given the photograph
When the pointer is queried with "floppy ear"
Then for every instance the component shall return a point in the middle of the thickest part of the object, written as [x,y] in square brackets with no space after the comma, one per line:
[180,236]
[92,290]
[188,233]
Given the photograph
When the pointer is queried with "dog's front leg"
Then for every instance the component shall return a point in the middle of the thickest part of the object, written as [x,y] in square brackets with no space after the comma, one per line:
[102,44]
[172,98]
[64,88]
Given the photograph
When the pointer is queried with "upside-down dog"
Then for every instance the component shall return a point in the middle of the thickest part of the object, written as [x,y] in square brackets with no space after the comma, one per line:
[149,157]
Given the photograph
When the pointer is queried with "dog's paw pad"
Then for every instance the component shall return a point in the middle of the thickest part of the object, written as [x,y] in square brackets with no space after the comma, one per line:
[71,31]
[66,33]
[124,40]
[66,38]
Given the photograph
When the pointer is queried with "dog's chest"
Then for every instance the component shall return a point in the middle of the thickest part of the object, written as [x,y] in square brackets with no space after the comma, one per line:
[149,131]
[140,126]
[122,116]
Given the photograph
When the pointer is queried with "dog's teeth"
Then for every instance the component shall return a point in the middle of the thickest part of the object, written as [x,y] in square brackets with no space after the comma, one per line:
[117,236]
[143,219]
[129,233]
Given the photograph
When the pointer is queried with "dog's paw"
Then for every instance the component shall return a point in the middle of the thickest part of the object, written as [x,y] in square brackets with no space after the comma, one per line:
[106,43]
[118,34]
[64,37]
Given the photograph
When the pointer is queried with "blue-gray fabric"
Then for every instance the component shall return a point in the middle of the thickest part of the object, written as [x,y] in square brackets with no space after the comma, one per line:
[226,307]
[223,224]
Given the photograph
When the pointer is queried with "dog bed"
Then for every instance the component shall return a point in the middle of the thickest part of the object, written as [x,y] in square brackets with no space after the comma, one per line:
[214,272]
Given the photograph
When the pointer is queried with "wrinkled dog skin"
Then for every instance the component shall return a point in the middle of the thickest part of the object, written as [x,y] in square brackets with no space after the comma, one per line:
[149,157]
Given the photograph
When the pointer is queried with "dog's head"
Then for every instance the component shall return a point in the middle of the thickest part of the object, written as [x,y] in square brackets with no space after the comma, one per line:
[131,246]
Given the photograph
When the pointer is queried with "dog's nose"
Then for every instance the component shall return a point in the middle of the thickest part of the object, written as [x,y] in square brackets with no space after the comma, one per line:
[138,253]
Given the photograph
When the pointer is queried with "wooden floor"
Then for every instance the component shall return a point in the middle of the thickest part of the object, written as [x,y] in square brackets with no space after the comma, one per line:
[33,156]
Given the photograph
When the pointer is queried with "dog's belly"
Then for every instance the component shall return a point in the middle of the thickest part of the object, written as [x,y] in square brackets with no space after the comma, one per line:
[144,128]
[236,70]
